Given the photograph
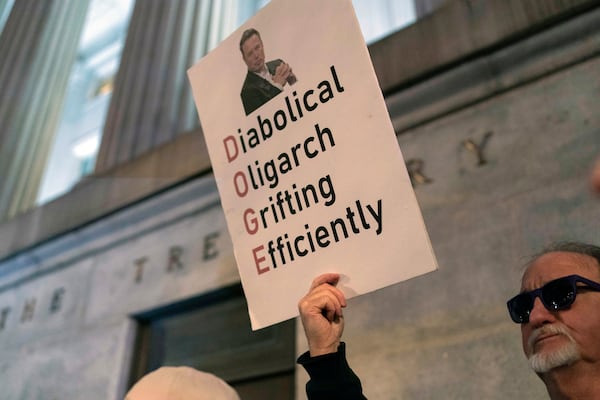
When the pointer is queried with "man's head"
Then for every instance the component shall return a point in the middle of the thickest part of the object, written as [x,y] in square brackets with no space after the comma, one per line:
[556,333]
[252,50]
[181,383]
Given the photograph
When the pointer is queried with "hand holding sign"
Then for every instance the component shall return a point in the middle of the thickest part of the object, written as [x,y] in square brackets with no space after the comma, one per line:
[321,313]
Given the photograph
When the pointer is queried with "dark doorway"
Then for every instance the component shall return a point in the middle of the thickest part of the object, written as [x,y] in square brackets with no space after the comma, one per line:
[212,333]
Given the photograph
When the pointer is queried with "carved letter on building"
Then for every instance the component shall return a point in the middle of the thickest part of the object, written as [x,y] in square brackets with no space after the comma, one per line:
[415,166]
[478,149]
[210,249]
[56,301]
[175,262]
[28,310]
[139,268]
[4,317]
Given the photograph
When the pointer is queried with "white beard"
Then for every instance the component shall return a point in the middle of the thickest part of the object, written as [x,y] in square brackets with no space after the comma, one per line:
[545,361]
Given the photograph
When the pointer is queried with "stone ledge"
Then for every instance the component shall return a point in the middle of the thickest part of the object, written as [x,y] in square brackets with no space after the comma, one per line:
[572,42]
[461,30]
[100,195]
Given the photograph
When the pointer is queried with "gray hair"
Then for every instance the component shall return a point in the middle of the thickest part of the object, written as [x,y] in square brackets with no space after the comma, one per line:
[569,247]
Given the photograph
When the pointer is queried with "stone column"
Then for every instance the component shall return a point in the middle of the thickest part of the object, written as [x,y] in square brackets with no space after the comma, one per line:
[152,102]
[37,47]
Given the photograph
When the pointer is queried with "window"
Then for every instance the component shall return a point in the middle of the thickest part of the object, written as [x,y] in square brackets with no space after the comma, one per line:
[379,18]
[78,137]
[87,97]
[5,7]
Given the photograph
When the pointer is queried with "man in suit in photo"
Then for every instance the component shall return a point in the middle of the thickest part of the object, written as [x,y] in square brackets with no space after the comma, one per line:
[264,80]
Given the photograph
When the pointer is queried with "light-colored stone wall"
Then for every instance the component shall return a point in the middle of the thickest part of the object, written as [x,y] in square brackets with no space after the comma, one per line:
[67,306]
[73,274]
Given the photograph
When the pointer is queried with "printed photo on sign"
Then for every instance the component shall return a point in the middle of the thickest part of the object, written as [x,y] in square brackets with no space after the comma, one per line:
[264,80]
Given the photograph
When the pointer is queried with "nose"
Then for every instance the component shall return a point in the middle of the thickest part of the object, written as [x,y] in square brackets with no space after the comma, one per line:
[540,315]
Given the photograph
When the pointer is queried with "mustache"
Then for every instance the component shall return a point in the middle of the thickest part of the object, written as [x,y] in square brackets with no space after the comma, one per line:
[553,329]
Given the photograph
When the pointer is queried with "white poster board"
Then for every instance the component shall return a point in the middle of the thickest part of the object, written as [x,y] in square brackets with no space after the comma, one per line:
[313,180]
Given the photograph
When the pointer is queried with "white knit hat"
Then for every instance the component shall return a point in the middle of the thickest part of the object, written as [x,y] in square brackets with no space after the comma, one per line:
[181,383]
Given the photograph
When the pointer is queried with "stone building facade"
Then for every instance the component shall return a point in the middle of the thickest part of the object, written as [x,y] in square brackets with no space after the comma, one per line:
[495,105]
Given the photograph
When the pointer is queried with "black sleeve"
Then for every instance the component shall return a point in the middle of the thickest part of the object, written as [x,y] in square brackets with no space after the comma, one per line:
[331,378]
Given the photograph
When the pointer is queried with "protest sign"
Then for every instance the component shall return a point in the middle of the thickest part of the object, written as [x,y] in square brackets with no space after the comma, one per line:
[309,171]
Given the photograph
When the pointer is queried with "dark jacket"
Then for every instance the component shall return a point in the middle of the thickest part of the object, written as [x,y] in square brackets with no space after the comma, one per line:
[256,91]
[331,377]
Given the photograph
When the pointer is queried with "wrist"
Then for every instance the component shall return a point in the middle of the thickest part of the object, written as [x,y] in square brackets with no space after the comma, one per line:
[315,351]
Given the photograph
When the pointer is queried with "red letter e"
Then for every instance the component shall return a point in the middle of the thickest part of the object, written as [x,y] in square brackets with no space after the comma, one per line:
[259,260]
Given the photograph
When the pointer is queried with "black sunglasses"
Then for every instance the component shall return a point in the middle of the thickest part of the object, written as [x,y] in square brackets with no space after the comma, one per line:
[556,295]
